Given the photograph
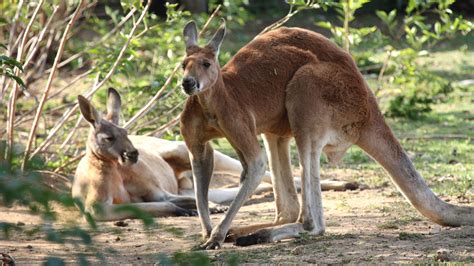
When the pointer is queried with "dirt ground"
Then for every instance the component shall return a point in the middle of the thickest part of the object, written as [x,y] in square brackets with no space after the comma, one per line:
[362,226]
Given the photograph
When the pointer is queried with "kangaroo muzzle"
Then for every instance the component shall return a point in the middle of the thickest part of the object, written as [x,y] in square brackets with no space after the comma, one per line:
[130,156]
[190,85]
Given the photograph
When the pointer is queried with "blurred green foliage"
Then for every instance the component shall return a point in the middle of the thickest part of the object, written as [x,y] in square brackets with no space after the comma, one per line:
[30,190]
[404,38]
[8,65]
[410,89]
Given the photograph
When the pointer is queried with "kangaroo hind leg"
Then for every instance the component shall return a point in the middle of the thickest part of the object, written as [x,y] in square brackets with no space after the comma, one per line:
[286,199]
[309,121]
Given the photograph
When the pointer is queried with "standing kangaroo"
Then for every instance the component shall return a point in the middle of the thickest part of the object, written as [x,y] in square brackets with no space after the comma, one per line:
[144,171]
[289,82]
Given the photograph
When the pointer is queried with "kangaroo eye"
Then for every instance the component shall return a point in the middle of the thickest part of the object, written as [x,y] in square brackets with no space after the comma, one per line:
[110,139]
[206,64]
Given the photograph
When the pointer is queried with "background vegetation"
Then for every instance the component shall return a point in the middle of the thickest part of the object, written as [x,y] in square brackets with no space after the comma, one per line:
[415,55]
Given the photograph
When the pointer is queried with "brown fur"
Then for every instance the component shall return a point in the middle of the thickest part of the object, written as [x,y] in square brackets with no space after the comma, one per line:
[289,82]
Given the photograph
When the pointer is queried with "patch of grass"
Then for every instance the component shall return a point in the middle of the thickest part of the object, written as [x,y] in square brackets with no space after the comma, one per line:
[384,209]
[184,258]
[327,237]
[388,225]
[368,258]
[346,260]
[305,238]
[343,205]
[332,224]
[397,223]
[176,231]
[409,236]
[194,237]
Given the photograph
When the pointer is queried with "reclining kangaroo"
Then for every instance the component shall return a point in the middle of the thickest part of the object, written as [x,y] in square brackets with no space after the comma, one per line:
[145,171]
[289,82]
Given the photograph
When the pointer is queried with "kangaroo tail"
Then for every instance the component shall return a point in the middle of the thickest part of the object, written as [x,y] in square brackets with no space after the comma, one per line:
[227,195]
[379,142]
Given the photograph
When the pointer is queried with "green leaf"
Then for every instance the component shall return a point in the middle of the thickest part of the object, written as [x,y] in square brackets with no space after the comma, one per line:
[54,261]
[411,6]
[6,60]
[392,15]
[437,28]
[16,78]
[382,15]
[324,24]
[3,21]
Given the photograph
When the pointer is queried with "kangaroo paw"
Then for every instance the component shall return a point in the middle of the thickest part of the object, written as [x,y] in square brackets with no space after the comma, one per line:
[259,237]
[218,209]
[211,245]
[185,212]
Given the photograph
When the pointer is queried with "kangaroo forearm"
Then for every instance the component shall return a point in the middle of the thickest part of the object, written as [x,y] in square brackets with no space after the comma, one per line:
[202,164]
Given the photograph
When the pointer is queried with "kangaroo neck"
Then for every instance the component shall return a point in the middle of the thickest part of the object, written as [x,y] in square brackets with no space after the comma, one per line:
[212,97]
[96,159]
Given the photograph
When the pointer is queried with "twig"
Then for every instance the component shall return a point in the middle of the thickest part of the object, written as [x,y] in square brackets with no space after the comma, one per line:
[20,120]
[153,100]
[39,110]
[69,162]
[14,92]
[78,122]
[382,70]
[145,109]
[37,43]
[79,54]
[285,19]
[69,84]
[347,9]
[68,114]
[63,178]
[454,136]
[164,127]
[218,8]
[13,28]
[154,120]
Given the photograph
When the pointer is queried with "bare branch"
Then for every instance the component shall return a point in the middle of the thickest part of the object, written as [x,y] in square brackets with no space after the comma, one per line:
[13,28]
[78,122]
[37,43]
[70,83]
[69,162]
[382,71]
[159,131]
[105,37]
[14,92]
[39,110]
[308,5]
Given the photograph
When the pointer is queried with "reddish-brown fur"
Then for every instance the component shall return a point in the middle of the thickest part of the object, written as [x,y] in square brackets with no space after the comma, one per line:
[289,82]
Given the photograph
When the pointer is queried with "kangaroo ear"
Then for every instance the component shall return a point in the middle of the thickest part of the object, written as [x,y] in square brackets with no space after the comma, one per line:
[190,34]
[88,111]
[113,106]
[216,41]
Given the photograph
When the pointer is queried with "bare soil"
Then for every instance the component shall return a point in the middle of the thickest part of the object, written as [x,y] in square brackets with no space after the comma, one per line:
[363,226]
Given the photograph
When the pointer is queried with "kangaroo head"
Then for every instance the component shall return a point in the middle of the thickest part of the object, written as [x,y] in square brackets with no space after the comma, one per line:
[201,67]
[107,140]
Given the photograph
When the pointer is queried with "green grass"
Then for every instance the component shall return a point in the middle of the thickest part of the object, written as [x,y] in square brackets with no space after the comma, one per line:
[409,236]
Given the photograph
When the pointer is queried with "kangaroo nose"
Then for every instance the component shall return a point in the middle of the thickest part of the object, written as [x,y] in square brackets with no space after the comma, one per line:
[189,82]
[132,156]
